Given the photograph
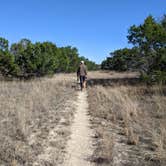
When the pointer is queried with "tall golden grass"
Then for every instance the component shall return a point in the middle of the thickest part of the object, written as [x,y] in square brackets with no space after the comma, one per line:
[28,110]
[134,118]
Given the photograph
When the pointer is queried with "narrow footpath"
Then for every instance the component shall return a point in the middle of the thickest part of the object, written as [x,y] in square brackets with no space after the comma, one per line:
[79,147]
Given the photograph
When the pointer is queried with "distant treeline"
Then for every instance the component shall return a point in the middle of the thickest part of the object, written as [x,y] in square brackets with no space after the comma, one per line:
[26,59]
[148,54]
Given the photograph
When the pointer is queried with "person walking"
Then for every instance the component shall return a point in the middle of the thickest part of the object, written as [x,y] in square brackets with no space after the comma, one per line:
[82,75]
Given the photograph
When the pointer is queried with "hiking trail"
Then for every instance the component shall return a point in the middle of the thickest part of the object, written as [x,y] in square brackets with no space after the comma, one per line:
[79,146]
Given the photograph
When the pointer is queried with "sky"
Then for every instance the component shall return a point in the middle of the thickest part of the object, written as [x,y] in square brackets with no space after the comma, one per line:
[95,27]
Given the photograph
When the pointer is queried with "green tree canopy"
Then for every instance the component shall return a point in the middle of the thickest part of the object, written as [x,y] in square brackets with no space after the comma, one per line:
[148,54]
[27,59]
[4,44]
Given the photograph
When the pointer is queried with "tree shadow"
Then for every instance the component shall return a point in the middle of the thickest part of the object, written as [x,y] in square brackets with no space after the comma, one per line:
[145,89]
[114,81]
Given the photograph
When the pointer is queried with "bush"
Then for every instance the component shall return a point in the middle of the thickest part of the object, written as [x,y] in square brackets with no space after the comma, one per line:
[148,54]
[25,59]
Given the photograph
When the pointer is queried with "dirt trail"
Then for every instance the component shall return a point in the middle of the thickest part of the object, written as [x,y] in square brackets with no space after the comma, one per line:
[79,146]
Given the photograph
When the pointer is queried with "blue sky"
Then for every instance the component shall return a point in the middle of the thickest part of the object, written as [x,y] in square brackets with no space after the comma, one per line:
[95,27]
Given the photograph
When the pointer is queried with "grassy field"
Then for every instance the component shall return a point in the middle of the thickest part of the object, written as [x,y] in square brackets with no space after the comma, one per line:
[29,112]
[129,120]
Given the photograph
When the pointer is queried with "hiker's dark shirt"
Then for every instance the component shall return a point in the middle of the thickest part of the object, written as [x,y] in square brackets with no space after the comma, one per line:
[82,70]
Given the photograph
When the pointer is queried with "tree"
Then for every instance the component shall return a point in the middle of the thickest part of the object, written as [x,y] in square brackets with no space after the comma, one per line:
[46,55]
[63,60]
[26,59]
[72,54]
[4,44]
[148,54]
[7,65]
[149,36]
[121,60]
[163,21]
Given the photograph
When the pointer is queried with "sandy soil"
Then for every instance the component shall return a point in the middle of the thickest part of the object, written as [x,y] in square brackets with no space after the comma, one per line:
[79,147]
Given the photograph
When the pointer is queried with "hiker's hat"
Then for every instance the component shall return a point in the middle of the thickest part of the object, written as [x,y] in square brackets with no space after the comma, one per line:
[82,62]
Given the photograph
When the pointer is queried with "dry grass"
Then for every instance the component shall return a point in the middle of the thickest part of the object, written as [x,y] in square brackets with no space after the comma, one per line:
[29,111]
[134,120]
[129,120]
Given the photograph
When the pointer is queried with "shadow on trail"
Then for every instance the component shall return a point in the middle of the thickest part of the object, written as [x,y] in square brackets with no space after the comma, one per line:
[114,81]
